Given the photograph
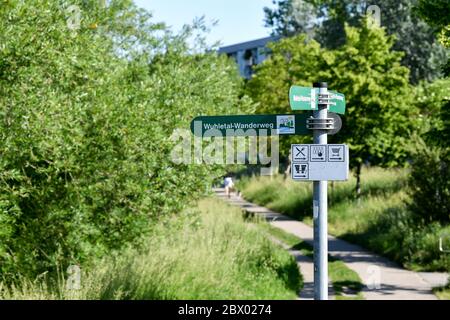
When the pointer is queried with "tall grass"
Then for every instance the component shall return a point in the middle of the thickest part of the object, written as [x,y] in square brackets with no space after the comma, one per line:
[379,220]
[207,253]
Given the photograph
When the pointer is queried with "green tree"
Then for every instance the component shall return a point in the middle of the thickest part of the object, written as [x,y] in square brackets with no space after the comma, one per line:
[429,180]
[434,12]
[430,174]
[291,17]
[423,54]
[86,116]
[437,14]
[378,121]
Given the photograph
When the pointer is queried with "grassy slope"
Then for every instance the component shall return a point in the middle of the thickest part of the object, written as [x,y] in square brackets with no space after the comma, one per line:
[210,254]
[380,221]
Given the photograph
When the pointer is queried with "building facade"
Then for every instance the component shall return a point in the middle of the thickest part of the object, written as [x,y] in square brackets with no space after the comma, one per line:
[248,54]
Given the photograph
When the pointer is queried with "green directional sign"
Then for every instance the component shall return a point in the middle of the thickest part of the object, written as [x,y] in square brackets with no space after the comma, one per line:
[304,98]
[250,125]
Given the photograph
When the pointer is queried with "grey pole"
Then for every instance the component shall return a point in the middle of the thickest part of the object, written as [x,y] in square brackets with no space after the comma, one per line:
[320,212]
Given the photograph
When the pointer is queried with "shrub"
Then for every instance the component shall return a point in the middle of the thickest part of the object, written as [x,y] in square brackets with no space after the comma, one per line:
[430,174]
[85,121]
[430,183]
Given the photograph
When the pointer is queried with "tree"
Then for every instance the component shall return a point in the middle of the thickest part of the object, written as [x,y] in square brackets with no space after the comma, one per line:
[430,175]
[86,116]
[434,12]
[378,120]
[423,54]
[291,17]
[437,14]
[429,180]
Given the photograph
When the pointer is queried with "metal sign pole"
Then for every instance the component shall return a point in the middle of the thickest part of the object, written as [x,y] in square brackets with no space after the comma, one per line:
[320,211]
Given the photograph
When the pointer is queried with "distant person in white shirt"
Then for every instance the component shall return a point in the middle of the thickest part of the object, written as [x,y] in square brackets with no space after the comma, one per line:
[229,185]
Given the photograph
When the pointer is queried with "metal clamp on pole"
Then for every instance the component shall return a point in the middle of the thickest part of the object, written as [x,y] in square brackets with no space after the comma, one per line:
[324,99]
[320,124]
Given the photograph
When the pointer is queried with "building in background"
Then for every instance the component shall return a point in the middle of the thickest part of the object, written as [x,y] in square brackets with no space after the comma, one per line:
[249,54]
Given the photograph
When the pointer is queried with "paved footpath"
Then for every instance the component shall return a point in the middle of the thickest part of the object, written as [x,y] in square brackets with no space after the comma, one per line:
[382,278]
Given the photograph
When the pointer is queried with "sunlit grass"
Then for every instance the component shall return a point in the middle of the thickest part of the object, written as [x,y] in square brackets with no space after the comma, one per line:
[209,254]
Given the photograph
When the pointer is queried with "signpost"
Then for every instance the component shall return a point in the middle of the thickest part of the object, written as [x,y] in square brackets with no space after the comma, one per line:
[318,162]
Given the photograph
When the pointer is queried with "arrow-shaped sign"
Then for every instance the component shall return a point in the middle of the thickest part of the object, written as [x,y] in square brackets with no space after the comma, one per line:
[337,102]
[250,125]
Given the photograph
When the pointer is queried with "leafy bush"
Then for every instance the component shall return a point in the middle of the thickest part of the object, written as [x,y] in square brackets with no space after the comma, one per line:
[430,175]
[430,183]
[85,121]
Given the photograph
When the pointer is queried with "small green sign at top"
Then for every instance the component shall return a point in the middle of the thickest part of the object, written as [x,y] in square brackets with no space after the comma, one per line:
[304,98]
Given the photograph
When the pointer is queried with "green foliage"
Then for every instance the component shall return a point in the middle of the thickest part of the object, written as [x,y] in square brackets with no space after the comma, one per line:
[204,253]
[326,19]
[85,121]
[433,102]
[430,175]
[378,121]
[443,293]
[424,55]
[436,14]
[430,182]
[392,230]
[295,199]
[290,17]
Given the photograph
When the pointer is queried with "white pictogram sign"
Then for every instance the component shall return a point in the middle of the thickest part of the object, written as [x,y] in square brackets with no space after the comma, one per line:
[313,162]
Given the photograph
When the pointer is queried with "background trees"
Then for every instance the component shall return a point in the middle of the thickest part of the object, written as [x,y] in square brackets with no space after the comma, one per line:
[379,119]
[326,20]
[436,14]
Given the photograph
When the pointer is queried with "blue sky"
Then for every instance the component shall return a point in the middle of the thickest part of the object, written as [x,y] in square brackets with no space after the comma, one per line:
[238,20]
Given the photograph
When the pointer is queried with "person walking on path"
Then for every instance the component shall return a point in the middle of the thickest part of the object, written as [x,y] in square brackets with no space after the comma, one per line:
[229,185]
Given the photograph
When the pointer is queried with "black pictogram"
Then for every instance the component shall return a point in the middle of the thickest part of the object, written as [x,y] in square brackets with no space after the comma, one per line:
[318,153]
